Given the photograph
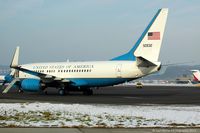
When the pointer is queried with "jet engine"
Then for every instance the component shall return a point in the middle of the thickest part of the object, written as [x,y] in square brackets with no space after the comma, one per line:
[31,85]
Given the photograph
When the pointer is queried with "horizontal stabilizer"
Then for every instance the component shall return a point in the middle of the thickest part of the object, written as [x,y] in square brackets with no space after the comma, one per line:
[142,62]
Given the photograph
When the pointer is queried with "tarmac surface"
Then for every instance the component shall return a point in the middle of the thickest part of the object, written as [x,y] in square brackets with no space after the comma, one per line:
[119,95]
[99,130]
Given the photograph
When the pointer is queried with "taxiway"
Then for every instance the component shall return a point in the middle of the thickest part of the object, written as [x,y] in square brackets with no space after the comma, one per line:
[119,95]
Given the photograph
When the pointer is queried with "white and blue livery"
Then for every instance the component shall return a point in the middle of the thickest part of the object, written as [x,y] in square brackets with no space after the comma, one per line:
[140,61]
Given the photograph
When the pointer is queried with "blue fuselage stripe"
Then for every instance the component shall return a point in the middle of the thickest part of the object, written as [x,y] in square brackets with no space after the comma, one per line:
[98,82]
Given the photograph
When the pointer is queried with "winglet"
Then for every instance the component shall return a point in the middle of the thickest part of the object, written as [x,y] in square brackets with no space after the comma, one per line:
[15,59]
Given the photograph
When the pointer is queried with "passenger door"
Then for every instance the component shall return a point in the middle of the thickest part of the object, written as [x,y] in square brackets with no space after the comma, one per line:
[119,70]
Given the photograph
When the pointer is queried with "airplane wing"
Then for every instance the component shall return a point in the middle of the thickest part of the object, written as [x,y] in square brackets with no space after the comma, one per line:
[45,78]
[42,76]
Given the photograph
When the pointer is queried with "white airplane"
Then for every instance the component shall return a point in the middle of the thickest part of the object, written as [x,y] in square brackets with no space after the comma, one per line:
[7,78]
[196,75]
[2,78]
[140,61]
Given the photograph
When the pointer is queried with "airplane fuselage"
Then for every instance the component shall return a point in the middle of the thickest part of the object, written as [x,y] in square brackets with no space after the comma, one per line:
[94,73]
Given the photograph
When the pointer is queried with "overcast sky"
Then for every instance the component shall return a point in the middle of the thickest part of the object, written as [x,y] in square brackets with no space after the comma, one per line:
[57,30]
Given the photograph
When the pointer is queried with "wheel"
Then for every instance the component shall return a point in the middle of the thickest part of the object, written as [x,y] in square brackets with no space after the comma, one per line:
[45,92]
[61,92]
[88,92]
[20,91]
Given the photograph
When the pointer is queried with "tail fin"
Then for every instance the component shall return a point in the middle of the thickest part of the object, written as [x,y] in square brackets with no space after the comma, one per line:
[196,74]
[148,45]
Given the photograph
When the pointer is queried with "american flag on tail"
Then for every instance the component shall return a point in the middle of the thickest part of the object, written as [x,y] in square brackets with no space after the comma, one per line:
[153,35]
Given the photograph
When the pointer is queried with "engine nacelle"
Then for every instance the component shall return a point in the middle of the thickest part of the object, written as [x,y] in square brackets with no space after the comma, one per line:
[8,78]
[32,85]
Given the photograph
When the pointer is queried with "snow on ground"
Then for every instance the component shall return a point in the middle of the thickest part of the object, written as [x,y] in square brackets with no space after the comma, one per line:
[79,115]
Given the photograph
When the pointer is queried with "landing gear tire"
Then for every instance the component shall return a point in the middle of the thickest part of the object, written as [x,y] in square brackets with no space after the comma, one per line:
[20,91]
[45,92]
[88,92]
[61,92]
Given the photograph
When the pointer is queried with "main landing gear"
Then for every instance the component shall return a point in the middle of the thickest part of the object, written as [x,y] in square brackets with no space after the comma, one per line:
[20,90]
[88,92]
[61,92]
